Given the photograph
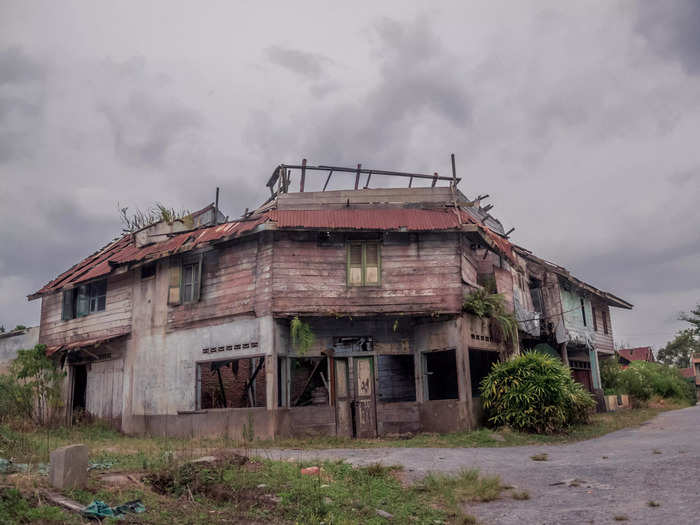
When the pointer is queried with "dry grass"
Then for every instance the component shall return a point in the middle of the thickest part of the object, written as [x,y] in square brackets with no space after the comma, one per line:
[540,457]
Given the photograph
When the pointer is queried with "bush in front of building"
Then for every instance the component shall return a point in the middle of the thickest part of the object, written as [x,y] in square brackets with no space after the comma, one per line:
[534,392]
[643,380]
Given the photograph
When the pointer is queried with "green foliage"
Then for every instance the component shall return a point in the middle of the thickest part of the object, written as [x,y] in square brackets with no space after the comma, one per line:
[679,351]
[492,305]
[15,399]
[19,327]
[35,384]
[158,212]
[303,337]
[644,380]
[534,392]
[14,508]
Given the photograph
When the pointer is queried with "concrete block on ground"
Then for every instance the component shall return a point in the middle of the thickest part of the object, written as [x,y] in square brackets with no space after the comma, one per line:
[69,467]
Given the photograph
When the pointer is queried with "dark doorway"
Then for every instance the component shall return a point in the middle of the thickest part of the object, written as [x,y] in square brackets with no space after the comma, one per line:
[79,389]
[480,363]
[441,374]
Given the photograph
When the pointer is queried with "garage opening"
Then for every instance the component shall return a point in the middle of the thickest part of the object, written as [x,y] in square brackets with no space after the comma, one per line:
[308,381]
[441,374]
[232,383]
[480,363]
[397,378]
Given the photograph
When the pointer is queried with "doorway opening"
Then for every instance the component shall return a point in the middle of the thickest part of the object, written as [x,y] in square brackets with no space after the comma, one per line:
[441,374]
[79,392]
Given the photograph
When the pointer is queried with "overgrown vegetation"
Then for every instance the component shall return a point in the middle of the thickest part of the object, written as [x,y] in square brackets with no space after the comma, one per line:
[534,392]
[303,338]
[644,380]
[484,304]
[16,507]
[31,389]
[158,212]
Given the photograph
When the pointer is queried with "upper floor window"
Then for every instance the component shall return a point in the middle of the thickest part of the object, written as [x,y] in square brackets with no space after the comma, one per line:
[84,299]
[583,312]
[185,280]
[595,320]
[363,263]
[536,295]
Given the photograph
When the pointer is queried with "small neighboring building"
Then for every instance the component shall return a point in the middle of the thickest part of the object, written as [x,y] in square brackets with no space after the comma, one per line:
[10,342]
[641,353]
[695,371]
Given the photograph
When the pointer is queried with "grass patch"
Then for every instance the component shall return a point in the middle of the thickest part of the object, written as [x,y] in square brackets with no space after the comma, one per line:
[18,508]
[540,457]
[620,517]
[653,504]
[521,495]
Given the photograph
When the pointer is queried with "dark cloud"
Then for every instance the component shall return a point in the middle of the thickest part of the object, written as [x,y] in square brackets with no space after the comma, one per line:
[310,65]
[18,68]
[673,30]
[21,103]
[144,128]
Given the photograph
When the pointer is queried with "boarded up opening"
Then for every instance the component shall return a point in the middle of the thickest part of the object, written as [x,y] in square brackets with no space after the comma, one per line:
[480,363]
[441,375]
[232,383]
[308,381]
[397,378]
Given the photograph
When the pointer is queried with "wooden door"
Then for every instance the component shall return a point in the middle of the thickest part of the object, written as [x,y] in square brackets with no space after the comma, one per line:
[343,414]
[364,407]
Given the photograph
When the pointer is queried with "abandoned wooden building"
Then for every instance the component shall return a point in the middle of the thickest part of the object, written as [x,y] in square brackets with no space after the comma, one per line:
[326,312]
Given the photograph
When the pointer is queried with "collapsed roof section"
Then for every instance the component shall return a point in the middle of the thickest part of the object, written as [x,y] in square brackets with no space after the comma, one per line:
[606,297]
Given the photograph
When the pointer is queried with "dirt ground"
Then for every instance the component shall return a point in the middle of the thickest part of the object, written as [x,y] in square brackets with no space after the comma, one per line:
[649,474]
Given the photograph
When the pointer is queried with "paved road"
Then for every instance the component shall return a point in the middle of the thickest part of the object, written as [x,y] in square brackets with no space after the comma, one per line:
[619,474]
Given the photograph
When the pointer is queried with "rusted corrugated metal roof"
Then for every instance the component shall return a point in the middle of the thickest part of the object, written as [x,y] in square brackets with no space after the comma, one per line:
[85,343]
[125,251]
[367,219]
[641,353]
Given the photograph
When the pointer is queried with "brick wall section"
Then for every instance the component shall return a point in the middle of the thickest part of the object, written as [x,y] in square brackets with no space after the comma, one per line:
[234,384]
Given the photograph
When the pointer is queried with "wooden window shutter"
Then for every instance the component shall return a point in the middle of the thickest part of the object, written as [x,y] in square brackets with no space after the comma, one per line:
[67,312]
[175,277]
[372,257]
[82,307]
[355,264]
[197,282]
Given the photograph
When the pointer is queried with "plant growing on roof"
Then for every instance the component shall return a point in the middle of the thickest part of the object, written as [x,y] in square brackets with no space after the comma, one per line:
[302,336]
[492,306]
[156,213]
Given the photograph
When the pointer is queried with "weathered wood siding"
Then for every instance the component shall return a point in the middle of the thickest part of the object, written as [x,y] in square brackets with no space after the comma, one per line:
[419,274]
[114,320]
[602,340]
[235,280]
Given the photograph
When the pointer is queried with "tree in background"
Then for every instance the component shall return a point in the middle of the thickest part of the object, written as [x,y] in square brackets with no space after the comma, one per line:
[679,351]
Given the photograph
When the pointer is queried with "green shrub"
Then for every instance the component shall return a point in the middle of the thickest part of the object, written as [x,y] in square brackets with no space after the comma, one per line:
[534,392]
[644,380]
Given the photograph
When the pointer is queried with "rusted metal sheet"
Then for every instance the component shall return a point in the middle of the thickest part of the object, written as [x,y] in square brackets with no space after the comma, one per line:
[85,343]
[367,219]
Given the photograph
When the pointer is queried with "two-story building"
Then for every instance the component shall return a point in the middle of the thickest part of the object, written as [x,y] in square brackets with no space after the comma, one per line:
[328,312]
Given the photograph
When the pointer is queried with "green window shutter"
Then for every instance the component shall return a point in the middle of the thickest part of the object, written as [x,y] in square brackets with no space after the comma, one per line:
[67,312]
[82,307]
[175,276]
[355,256]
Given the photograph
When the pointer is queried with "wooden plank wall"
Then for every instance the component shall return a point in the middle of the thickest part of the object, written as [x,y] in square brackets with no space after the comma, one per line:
[601,340]
[235,280]
[105,383]
[421,275]
[114,320]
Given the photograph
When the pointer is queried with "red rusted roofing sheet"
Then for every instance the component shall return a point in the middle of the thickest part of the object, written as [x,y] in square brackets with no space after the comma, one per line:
[367,219]
[687,372]
[50,350]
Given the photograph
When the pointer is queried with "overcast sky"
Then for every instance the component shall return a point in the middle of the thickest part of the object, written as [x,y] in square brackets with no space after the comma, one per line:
[581,120]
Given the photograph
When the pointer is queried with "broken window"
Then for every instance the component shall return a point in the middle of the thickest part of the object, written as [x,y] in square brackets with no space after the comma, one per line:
[480,363]
[595,321]
[308,381]
[232,383]
[85,299]
[536,295]
[397,378]
[185,280]
[148,270]
[583,312]
[440,369]
[363,263]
